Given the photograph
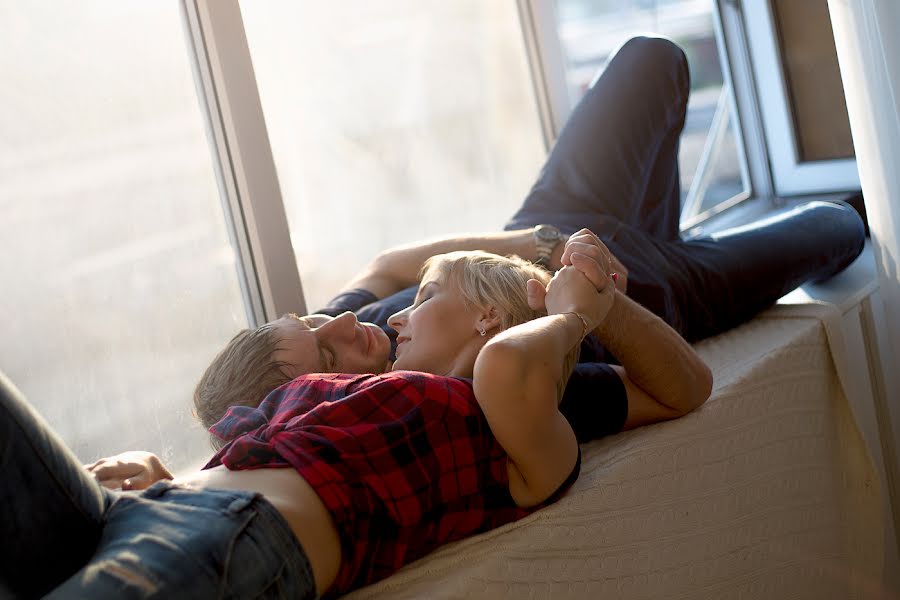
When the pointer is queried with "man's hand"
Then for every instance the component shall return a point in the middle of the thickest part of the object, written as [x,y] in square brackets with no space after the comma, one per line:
[585,252]
[586,242]
[134,470]
[583,289]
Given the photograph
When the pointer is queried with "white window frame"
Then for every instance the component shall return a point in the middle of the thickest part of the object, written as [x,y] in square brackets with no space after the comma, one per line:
[547,64]
[791,175]
[736,62]
[248,180]
[751,152]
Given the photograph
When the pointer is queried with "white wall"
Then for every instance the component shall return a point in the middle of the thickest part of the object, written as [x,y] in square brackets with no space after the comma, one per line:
[867,37]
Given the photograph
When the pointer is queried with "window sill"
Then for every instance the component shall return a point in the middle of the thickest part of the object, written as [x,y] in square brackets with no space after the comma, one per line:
[844,291]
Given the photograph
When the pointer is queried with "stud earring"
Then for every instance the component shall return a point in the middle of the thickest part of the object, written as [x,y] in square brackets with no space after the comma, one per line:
[482,331]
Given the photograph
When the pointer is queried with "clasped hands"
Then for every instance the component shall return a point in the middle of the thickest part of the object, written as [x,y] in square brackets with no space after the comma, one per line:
[584,285]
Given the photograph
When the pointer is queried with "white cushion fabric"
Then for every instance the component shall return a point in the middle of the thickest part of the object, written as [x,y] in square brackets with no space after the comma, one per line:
[766,491]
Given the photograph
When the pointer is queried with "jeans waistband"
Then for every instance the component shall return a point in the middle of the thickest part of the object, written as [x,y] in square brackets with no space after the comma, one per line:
[269,522]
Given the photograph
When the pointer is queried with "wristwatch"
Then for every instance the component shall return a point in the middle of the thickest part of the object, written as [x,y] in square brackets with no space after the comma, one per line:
[546,237]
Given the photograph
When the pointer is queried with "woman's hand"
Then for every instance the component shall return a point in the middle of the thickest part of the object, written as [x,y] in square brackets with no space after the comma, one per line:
[582,288]
[134,470]
[589,268]
[587,243]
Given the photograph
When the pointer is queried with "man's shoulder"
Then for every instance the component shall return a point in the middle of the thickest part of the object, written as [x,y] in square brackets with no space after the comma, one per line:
[349,300]
[356,382]
[369,307]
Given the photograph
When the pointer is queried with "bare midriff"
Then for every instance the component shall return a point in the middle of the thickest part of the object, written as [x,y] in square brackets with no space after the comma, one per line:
[297,502]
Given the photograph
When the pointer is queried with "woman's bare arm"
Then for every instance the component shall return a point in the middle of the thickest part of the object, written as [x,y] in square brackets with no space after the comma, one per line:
[515,382]
[517,377]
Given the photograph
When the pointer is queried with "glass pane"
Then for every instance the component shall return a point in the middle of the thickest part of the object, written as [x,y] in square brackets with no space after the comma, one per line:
[590,30]
[723,177]
[120,282]
[813,77]
[391,121]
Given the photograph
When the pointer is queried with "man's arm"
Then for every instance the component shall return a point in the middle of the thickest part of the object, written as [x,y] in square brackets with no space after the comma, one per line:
[664,377]
[398,268]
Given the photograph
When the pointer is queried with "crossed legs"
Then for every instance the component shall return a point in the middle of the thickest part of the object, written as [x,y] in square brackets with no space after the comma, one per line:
[614,170]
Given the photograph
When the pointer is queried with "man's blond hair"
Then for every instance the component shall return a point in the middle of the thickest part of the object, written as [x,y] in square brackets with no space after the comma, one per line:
[242,374]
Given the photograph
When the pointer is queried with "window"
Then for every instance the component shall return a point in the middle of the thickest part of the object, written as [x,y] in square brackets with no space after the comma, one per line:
[710,160]
[812,75]
[392,121]
[119,279]
[799,87]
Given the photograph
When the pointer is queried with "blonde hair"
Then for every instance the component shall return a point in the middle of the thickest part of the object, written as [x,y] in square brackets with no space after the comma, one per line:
[242,374]
[485,279]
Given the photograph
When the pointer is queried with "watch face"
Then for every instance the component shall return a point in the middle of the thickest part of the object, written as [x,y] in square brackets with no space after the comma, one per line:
[548,233]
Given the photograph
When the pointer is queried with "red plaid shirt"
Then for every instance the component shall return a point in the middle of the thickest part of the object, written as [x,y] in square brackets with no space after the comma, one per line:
[404,461]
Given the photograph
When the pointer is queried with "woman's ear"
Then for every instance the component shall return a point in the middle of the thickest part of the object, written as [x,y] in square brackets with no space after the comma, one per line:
[489,320]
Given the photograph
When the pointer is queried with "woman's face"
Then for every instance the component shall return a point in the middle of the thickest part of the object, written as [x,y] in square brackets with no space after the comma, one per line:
[438,334]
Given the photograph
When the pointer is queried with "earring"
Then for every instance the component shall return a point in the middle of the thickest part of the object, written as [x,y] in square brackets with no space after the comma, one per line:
[482,331]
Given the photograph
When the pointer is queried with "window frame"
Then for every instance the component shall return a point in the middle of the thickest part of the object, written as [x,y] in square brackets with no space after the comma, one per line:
[732,46]
[247,178]
[547,64]
[790,174]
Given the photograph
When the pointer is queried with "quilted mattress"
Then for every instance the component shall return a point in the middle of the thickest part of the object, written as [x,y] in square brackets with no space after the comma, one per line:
[766,491]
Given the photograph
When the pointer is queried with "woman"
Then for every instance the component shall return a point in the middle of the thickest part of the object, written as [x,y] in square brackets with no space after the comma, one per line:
[478,446]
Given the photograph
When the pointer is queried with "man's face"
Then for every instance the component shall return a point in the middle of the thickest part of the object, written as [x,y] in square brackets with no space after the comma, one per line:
[323,344]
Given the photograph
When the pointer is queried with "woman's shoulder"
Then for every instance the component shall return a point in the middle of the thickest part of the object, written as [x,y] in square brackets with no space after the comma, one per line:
[377,378]
[417,384]
[424,378]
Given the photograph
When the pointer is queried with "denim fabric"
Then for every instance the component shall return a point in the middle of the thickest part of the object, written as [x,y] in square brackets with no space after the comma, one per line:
[614,170]
[65,536]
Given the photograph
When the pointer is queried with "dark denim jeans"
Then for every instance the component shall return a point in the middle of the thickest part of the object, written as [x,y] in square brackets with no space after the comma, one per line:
[614,170]
[64,536]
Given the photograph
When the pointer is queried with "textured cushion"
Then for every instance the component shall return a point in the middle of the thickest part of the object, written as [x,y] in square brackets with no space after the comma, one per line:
[766,491]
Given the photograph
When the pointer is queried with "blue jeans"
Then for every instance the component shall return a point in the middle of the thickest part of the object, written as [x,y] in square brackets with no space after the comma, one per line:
[614,170]
[65,536]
